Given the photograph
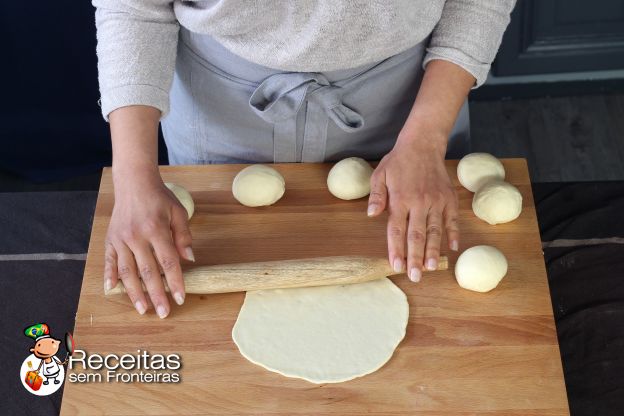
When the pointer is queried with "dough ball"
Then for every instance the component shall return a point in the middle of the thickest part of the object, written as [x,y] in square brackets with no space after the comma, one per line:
[258,185]
[480,268]
[476,169]
[183,196]
[497,202]
[350,178]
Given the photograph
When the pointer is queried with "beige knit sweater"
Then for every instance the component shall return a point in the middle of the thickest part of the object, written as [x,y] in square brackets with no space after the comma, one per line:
[137,39]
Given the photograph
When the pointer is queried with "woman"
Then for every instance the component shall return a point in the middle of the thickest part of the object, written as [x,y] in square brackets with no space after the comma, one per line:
[287,81]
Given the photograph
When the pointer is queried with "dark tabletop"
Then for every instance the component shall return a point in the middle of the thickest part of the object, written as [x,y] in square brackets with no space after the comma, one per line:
[44,238]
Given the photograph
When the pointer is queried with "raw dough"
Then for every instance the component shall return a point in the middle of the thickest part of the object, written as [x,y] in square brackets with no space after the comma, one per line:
[258,185]
[497,202]
[350,178]
[480,268]
[325,334]
[476,169]
[183,196]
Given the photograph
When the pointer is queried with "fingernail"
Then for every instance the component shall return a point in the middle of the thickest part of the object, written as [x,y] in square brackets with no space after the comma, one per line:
[454,245]
[161,311]
[397,265]
[179,298]
[371,210]
[139,307]
[189,254]
[108,285]
[415,275]
[432,264]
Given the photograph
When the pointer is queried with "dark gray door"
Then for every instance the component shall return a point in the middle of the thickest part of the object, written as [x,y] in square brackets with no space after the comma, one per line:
[547,36]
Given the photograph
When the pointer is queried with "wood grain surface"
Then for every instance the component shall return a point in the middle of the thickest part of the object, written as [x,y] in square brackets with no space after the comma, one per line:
[464,353]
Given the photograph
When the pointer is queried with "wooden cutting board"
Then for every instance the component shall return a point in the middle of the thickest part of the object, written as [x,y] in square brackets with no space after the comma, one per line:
[464,353]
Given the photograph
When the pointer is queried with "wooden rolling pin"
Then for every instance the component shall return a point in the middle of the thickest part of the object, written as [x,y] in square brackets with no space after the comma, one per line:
[320,271]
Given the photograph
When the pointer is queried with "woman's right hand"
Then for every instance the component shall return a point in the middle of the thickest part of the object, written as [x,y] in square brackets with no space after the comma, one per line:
[148,232]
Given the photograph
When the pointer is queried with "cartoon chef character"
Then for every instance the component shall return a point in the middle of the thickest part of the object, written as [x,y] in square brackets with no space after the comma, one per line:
[45,349]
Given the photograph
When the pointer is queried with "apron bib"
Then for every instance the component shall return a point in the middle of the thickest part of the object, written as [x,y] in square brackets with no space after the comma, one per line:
[225,109]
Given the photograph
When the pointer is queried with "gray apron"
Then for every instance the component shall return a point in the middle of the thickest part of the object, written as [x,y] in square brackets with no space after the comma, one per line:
[225,109]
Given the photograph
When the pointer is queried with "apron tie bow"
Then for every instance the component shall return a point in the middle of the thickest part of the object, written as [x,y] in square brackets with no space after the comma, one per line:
[278,100]
[280,96]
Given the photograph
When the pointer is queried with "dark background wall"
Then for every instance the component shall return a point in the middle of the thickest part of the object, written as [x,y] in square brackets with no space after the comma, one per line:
[51,127]
[50,123]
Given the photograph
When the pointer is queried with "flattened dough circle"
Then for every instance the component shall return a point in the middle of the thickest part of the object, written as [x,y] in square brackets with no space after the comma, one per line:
[326,334]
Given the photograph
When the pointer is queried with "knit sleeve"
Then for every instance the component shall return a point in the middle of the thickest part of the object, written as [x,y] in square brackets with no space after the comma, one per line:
[136,49]
[469,34]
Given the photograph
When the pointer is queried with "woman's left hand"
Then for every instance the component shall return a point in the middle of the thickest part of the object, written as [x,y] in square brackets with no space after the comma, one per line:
[412,183]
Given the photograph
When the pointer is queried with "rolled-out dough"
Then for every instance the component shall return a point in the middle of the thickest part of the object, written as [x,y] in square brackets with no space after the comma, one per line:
[326,334]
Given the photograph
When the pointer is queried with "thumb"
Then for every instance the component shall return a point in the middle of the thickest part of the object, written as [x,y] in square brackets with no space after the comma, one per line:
[378,195]
[181,233]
